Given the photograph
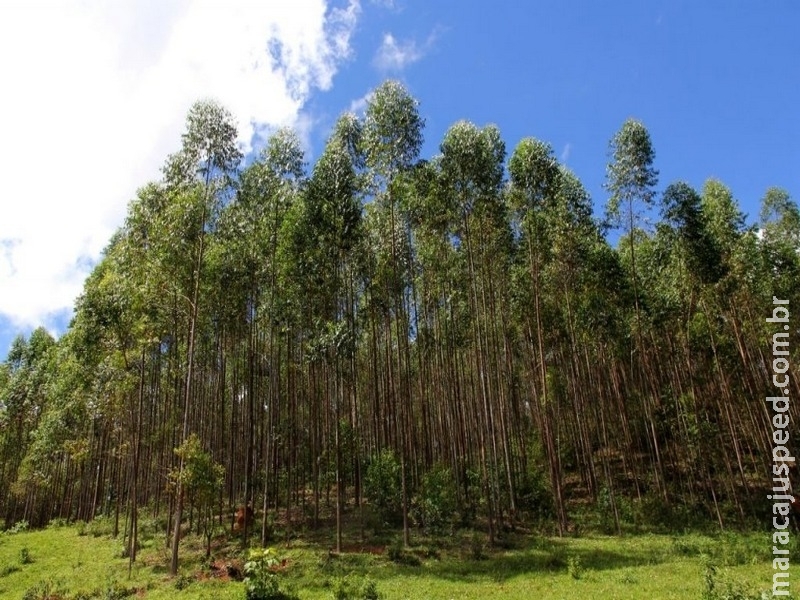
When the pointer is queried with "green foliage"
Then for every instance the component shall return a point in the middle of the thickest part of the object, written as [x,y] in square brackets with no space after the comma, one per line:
[18,527]
[46,590]
[477,547]
[209,148]
[575,567]
[201,476]
[630,174]
[533,494]
[723,588]
[398,554]
[261,582]
[431,308]
[382,485]
[534,175]
[392,134]
[436,505]
[25,557]
[182,581]
[353,588]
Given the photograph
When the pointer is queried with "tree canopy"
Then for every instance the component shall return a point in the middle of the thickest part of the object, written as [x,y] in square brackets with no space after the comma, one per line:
[436,340]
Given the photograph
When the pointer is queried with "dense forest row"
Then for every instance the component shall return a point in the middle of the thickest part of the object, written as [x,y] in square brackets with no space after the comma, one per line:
[422,340]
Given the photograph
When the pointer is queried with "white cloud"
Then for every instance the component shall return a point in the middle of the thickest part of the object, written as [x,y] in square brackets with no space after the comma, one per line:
[566,152]
[94,98]
[359,105]
[394,55]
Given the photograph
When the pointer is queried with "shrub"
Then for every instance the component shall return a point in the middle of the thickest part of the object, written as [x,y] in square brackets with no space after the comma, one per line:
[556,559]
[382,485]
[370,591]
[716,588]
[574,567]
[45,590]
[182,582]
[58,522]
[345,588]
[477,547]
[534,496]
[468,506]
[395,550]
[261,582]
[397,554]
[25,557]
[116,591]
[18,527]
[436,503]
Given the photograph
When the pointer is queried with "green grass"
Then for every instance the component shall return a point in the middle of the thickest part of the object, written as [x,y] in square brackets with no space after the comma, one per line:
[86,560]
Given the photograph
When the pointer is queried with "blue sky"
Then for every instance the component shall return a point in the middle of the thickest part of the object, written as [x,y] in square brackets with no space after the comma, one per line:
[716,83]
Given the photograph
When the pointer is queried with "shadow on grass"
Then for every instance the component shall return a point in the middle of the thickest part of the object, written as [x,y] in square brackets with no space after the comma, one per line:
[551,557]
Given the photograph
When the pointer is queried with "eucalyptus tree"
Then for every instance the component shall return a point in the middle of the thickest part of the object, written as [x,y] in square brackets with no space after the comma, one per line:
[631,179]
[779,220]
[330,228]
[391,142]
[472,171]
[198,179]
[29,367]
[535,181]
[734,295]
[683,210]
[51,462]
[691,265]
[245,270]
[725,222]
[112,318]
[573,277]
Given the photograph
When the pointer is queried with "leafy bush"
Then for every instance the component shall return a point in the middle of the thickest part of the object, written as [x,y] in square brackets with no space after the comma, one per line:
[716,588]
[395,550]
[261,581]
[182,582]
[468,506]
[574,567]
[18,527]
[556,559]
[58,522]
[46,590]
[605,509]
[100,527]
[370,590]
[397,554]
[343,589]
[477,547]
[382,486]
[115,591]
[533,495]
[346,588]
[436,503]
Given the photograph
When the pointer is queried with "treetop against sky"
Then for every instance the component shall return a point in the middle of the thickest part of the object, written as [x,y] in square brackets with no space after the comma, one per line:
[97,95]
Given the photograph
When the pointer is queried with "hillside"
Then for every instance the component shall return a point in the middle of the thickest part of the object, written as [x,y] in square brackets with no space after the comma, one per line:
[411,343]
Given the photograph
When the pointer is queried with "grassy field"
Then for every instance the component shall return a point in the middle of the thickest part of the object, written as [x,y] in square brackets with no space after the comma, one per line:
[82,562]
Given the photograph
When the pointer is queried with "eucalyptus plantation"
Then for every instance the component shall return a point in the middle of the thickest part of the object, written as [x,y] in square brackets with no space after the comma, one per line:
[381,340]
